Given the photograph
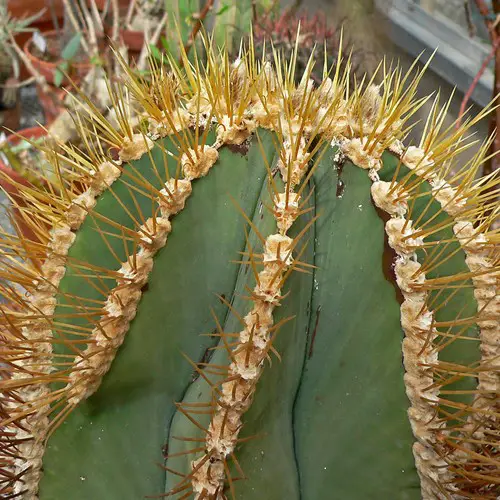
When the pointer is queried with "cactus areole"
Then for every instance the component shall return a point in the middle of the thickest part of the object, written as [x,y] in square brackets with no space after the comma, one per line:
[262,293]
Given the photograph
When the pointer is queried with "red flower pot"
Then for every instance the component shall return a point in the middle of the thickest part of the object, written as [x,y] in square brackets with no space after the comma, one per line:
[134,40]
[9,117]
[25,8]
[48,69]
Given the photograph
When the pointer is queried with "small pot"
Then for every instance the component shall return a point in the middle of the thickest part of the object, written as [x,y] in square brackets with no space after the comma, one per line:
[134,40]
[48,69]
[101,4]
[11,188]
[19,9]
[27,8]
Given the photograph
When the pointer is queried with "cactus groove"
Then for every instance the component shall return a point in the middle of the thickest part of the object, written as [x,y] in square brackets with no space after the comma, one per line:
[262,293]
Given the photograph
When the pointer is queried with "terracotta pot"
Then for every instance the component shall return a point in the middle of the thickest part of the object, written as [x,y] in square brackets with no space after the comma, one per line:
[27,8]
[11,188]
[122,4]
[134,40]
[52,103]
[48,69]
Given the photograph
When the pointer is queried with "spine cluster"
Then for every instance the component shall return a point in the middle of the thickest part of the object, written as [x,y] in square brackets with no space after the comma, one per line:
[487,295]
[210,471]
[31,430]
[121,305]
[419,353]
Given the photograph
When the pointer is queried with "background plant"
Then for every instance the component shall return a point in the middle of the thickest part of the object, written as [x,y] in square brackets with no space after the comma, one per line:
[27,161]
[9,59]
[67,55]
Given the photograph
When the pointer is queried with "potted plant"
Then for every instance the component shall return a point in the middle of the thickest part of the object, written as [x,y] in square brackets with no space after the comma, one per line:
[50,14]
[75,50]
[52,61]
[55,70]
[10,66]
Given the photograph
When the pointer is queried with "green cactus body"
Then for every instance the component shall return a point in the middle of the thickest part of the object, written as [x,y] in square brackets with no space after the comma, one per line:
[265,286]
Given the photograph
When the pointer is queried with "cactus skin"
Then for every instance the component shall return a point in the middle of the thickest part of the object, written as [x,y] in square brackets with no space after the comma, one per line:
[335,407]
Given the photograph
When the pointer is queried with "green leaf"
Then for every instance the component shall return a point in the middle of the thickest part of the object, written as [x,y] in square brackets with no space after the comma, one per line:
[23,25]
[71,48]
[165,44]
[155,52]
[97,61]
[222,10]
[59,74]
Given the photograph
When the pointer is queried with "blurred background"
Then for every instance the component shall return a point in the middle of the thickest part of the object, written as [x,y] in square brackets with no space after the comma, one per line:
[43,41]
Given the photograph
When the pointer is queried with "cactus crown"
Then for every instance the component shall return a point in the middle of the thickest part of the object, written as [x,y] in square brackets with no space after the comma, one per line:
[316,172]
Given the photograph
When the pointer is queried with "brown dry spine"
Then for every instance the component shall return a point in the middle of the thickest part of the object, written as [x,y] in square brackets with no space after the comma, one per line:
[487,295]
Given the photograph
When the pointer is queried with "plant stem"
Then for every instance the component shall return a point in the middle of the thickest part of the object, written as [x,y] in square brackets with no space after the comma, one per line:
[130,10]
[90,28]
[116,20]
[492,163]
[141,65]
[74,22]
[474,83]
[197,25]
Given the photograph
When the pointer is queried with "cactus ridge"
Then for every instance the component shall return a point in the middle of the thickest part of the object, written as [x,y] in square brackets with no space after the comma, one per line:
[61,343]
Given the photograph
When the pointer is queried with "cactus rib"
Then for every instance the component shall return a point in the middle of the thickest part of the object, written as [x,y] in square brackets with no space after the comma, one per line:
[481,260]
[30,439]
[418,349]
[417,320]
[210,472]
[121,305]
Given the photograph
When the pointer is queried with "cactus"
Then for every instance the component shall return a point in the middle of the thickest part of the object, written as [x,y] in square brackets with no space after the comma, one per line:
[350,350]
[281,30]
